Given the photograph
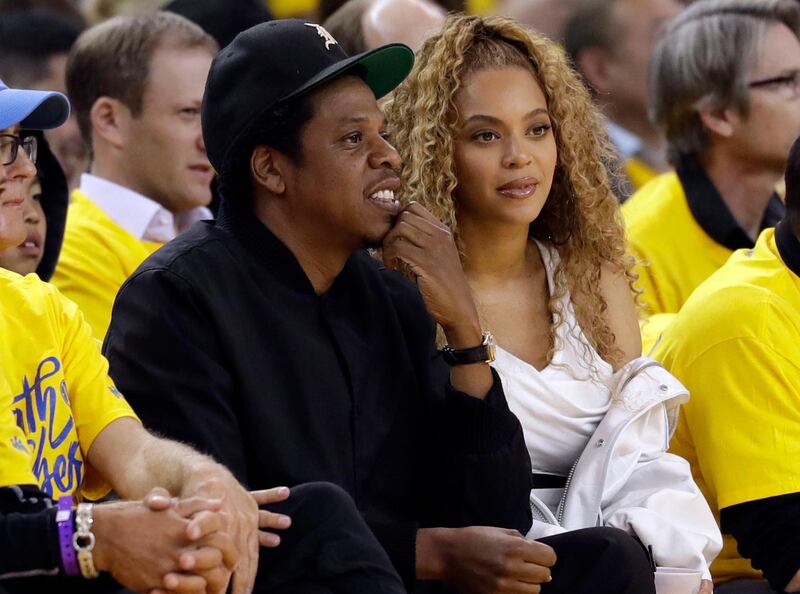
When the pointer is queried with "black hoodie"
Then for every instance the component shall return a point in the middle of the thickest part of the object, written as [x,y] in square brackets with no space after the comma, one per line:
[55,199]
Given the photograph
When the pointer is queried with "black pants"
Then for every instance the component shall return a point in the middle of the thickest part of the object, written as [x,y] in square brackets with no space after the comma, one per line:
[599,561]
[329,549]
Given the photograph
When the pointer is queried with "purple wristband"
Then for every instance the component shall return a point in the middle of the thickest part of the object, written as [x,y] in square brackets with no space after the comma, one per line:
[65,531]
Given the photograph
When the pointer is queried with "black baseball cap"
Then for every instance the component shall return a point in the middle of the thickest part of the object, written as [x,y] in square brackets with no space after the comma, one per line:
[276,62]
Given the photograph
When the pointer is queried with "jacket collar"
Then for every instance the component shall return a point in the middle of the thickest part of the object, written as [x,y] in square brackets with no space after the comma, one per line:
[711,212]
[788,246]
[264,247]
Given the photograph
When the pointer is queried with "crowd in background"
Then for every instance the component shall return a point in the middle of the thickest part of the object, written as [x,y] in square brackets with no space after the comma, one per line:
[529,322]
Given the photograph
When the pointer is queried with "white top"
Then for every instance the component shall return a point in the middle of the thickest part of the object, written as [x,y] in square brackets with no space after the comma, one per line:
[625,141]
[140,216]
[560,406]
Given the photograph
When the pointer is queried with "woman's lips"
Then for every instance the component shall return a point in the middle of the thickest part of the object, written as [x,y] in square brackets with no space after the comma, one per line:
[523,187]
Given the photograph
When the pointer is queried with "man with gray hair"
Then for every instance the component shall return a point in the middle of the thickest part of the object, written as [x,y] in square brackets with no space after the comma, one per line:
[725,88]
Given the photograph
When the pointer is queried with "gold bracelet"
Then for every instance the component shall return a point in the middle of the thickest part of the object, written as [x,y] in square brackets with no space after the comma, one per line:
[84,540]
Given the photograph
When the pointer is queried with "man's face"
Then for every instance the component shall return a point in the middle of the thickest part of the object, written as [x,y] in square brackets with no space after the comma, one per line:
[65,141]
[639,24]
[346,160]
[165,158]
[13,182]
[764,136]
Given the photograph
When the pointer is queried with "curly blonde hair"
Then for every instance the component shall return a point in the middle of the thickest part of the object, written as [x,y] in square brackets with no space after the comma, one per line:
[581,217]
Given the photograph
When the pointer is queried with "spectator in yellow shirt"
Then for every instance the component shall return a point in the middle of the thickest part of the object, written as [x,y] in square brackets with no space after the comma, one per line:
[736,345]
[725,82]
[136,84]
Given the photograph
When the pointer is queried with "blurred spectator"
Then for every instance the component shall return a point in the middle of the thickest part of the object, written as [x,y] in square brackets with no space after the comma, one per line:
[67,8]
[97,11]
[725,88]
[44,212]
[222,19]
[328,7]
[548,17]
[610,43]
[33,54]
[361,25]
[735,344]
[136,85]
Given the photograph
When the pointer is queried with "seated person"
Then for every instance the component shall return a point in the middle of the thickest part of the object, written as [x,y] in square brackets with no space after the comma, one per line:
[520,180]
[735,346]
[724,83]
[68,435]
[136,84]
[44,212]
[271,340]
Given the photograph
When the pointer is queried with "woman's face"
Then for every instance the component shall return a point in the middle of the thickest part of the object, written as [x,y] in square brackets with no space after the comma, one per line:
[505,151]
[25,257]
[12,195]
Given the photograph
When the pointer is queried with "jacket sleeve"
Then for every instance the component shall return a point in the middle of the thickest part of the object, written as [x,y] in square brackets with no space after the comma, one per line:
[658,500]
[28,534]
[489,477]
[164,357]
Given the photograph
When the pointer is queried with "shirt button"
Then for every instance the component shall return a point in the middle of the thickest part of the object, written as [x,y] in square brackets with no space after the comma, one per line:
[663,387]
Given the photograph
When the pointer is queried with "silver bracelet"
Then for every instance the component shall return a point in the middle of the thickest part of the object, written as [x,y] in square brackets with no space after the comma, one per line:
[84,540]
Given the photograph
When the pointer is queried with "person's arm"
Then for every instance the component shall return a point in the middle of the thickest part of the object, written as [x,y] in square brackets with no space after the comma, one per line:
[427,247]
[766,533]
[122,453]
[737,389]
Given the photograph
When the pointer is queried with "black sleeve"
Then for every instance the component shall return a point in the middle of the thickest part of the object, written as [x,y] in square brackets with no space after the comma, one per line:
[165,358]
[28,533]
[484,467]
[766,533]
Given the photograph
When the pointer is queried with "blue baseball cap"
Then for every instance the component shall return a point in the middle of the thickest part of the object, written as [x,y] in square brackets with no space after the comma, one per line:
[34,110]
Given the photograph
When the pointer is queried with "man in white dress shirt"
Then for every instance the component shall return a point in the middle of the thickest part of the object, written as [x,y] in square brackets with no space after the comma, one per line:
[136,84]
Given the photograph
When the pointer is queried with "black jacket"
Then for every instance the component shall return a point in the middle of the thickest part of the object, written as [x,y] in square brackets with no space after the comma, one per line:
[219,340]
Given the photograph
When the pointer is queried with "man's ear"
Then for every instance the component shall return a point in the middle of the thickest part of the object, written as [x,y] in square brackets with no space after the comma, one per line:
[110,120]
[593,63]
[718,122]
[268,168]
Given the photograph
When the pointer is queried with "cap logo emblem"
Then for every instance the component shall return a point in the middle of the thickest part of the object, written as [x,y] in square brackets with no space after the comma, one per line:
[322,32]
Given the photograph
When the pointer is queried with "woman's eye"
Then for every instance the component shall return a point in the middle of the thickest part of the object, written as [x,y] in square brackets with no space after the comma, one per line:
[541,130]
[486,136]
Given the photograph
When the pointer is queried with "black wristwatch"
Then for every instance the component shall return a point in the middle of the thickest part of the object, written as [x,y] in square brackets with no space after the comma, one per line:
[483,353]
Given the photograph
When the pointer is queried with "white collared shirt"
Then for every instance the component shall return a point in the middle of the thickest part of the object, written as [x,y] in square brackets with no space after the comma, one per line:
[627,143]
[140,216]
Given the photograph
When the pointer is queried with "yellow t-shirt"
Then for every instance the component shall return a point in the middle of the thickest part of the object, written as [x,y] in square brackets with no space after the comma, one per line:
[675,252]
[735,345]
[638,172]
[97,256]
[56,394]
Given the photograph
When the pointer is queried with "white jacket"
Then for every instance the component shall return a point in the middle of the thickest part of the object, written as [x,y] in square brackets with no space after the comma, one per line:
[626,479]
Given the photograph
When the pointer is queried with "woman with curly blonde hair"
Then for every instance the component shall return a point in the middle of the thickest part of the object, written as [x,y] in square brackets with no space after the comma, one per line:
[501,142]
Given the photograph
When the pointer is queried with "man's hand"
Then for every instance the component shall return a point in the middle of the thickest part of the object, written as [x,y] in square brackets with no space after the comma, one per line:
[426,245]
[139,546]
[210,480]
[267,520]
[707,587]
[213,560]
[483,560]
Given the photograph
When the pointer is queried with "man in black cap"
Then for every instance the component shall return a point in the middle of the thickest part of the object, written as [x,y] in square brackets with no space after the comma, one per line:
[278,345]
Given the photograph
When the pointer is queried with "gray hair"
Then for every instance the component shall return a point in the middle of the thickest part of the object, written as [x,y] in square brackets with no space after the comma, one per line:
[704,60]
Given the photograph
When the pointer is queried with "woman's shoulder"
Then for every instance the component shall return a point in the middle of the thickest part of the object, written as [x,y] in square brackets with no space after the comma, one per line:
[622,312]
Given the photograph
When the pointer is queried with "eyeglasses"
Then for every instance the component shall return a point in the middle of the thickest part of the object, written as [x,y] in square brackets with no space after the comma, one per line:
[9,147]
[788,82]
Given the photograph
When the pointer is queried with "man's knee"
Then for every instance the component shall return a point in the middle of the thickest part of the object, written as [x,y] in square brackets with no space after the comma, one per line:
[320,502]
